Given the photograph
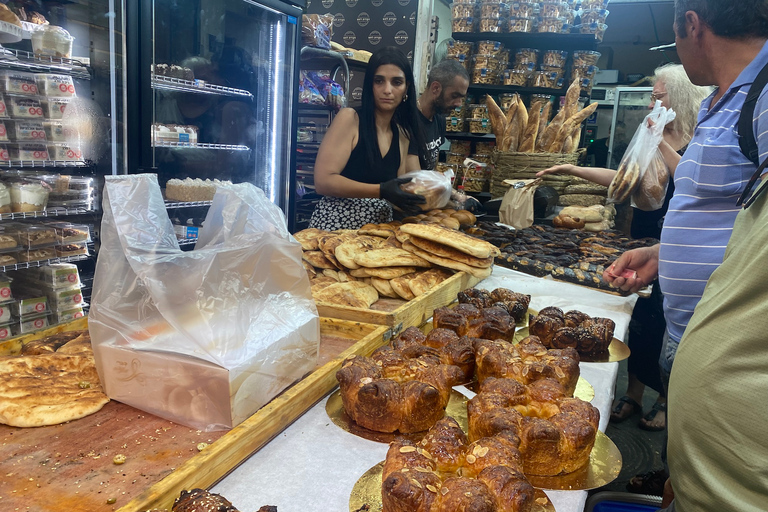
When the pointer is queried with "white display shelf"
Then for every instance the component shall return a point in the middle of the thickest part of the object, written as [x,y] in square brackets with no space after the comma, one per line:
[186,204]
[31,264]
[169,83]
[198,145]
[53,212]
[42,163]
[27,61]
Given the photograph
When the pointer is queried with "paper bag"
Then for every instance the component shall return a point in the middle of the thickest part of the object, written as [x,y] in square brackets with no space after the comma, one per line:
[205,337]
[516,208]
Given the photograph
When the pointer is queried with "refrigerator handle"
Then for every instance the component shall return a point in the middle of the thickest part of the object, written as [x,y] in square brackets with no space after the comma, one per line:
[139,114]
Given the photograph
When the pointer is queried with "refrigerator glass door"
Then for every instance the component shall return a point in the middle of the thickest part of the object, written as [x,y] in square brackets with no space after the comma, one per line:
[631,105]
[223,75]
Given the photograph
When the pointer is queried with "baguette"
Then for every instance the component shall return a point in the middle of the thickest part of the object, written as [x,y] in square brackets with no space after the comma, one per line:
[528,144]
[550,133]
[512,130]
[522,117]
[571,103]
[543,120]
[498,120]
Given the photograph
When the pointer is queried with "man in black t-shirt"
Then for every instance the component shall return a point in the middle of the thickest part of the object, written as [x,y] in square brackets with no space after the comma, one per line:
[446,89]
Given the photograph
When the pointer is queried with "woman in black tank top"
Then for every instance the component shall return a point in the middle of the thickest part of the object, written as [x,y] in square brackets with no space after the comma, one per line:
[366,149]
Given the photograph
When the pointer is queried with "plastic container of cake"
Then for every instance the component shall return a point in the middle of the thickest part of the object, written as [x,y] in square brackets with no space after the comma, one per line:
[18,82]
[6,295]
[61,299]
[23,107]
[39,254]
[31,130]
[28,196]
[52,41]
[31,324]
[28,152]
[56,131]
[65,152]
[54,107]
[60,317]
[29,303]
[68,233]
[50,84]
[5,202]
[5,313]
[68,250]
[32,236]
[56,275]
[6,331]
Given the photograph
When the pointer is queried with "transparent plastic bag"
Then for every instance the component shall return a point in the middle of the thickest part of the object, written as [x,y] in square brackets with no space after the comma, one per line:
[317,30]
[433,185]
[205,337]
[641,155]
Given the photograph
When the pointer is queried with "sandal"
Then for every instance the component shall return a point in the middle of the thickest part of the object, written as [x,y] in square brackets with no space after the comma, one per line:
[619,410]
[651,483]
[645,422]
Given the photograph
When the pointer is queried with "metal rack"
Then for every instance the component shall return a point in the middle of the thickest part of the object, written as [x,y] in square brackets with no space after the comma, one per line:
[31,264]
[169,83]
[186,204]
[21,60]
[198,145]
[42,163]
[53,212]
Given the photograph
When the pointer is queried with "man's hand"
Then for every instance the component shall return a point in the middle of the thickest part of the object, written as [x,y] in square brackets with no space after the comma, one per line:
[634,269]
[391,191]
[669,494]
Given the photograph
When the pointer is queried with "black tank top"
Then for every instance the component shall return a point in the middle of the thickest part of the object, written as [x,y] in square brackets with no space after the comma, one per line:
[384,169]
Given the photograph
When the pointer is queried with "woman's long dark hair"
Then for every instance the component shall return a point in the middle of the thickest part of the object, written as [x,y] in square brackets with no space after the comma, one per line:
[406,114]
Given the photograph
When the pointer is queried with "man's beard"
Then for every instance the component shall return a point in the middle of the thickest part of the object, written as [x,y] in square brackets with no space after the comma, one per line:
[439,105]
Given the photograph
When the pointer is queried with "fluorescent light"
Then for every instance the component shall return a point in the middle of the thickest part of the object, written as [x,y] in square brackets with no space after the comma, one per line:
[662,47]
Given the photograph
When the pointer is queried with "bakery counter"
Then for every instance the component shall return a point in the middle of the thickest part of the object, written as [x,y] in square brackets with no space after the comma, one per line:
[313,464]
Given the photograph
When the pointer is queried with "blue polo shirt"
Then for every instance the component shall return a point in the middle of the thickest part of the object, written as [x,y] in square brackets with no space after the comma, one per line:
[708,181]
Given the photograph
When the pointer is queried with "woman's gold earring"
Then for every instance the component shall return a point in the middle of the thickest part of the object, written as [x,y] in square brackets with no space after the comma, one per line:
[405,97]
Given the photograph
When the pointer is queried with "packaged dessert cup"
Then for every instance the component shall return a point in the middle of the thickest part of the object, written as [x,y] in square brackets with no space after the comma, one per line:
[54,107]
[28,196]
[24,107]
[50,84]
[26,131]
[52,41]
[18,82]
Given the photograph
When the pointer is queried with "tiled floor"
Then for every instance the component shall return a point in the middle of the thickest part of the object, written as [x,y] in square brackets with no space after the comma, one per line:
[640,449]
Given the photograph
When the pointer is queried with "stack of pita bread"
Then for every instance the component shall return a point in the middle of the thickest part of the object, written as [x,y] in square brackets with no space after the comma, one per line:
[356,268]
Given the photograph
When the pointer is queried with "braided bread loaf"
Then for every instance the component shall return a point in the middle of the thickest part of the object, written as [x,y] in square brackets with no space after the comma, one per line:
[574,329]
[445,472]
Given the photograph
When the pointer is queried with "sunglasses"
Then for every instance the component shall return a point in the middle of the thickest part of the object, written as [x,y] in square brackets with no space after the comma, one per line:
[659,96]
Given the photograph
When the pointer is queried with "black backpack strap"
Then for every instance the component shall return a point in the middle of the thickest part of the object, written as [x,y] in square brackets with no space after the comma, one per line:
[745,127]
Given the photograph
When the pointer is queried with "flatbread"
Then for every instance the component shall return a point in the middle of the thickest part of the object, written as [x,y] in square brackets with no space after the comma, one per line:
[311,272]
[445,251]
[456,239]
[346,251]
[386,272]
[49,389]
[329,243]
[380,230]
[401,287]
[308,238]
[317,259]
[481,273]
[425,281]
[50,344]
[321,282]
[390,257]
[355,294]
[384,288]
[81,345]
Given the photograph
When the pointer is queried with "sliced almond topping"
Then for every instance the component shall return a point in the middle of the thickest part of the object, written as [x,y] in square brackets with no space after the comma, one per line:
[422,470]
[483,451]
[559,372]
[366,380]
[444,491]
[407,449]
[432,488]
[416,483]
[471,458]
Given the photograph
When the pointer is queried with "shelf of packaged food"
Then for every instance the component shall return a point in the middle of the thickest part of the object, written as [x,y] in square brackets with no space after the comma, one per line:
[50,212]
[42,163]
[502,89]
[199,145]
[169,83]
[27,61]
[186,204]
[30,264]
[540,40]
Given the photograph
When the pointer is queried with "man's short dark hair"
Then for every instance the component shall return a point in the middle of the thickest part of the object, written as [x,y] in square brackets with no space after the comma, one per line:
[732,19]
[445,71]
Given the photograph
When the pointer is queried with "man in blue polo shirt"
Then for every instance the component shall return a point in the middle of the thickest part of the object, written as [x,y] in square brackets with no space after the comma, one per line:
[717,410]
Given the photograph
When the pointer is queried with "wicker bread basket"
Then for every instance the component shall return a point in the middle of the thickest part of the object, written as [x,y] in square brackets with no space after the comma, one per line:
[512,165]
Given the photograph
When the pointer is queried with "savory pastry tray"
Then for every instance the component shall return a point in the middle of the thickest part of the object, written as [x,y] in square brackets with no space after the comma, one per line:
[71,465]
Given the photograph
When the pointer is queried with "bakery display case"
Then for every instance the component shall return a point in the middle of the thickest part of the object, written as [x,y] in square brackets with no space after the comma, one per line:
[215,87]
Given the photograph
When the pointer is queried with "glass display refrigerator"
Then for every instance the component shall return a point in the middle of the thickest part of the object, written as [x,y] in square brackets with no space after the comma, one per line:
[630,106]
[62,97]
[212,92]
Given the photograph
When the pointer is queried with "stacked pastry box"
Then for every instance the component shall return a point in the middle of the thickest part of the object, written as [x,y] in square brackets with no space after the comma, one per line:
[24,242]
[33,127]
[25,191]
[44,296]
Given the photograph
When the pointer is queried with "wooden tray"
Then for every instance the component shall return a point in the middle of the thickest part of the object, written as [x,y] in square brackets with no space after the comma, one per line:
[12,346]
[70,466]
[400,314]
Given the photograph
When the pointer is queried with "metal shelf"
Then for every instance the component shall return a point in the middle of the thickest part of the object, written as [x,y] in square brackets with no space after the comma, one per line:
[540,40]
[169,83]
[31,264]
[42,163]
[53,212]
[187,204]
[501,89]
[199,145]
[27,61]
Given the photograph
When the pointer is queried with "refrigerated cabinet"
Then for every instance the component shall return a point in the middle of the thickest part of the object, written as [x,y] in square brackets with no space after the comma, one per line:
[214,87]
[630,106]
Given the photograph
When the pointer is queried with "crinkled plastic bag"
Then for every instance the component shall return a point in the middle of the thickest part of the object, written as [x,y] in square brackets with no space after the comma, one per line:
[642,173]
[433,185]
[205,337]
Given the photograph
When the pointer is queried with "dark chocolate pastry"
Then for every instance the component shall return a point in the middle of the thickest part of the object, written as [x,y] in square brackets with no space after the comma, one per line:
[200,500]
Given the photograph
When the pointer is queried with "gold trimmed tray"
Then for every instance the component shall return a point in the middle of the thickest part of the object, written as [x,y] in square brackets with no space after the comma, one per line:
[617,350]
[604,466]
[366,494]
